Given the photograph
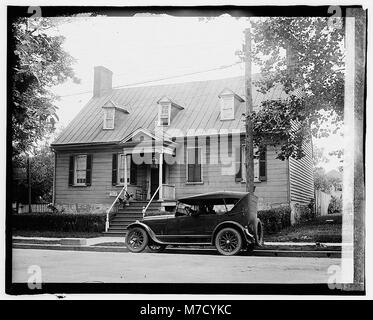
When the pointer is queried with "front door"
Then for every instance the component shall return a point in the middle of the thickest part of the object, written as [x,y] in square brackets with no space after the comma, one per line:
[154,181]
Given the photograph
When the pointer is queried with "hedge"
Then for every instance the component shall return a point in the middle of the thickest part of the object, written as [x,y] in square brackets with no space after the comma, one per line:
[272,219]
[59,222]
[275,219]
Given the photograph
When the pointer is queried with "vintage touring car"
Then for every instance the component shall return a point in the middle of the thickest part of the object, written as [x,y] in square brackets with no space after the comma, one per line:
[224,219]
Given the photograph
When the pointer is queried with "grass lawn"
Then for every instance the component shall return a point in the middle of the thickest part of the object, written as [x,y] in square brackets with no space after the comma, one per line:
[323,229]
[55,234]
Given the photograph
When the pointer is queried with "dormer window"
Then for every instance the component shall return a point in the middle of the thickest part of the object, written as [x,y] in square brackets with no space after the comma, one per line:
[229,102]
[109,109]
[227,108]
[109,118]
[167,110]
[164,114]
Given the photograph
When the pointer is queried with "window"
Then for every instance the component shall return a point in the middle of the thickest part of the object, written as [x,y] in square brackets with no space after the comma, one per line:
[109,117]
[121,165]
[227,108]
[80,170]
[260,173]
[164,115]
[119,162]
[221,208]
[194,165]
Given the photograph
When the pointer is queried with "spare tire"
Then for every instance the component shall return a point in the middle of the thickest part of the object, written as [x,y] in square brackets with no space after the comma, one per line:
[259,234]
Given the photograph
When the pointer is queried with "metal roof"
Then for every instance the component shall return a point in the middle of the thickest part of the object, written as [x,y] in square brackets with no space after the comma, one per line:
[199,99]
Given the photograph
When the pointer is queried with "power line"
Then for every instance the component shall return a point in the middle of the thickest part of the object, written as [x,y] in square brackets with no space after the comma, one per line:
[158,79]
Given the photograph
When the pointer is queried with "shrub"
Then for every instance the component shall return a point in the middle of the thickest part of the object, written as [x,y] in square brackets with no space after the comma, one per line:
[275,219]
[59,222]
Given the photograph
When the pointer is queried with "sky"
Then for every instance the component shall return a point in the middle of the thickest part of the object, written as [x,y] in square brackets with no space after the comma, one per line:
[139,49]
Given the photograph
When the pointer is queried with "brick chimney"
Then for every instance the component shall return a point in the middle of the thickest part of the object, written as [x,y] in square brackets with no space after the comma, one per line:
[102,82]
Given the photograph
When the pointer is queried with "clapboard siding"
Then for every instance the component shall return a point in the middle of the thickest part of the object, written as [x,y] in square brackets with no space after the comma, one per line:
[99,191]
[301,177]
[273,191]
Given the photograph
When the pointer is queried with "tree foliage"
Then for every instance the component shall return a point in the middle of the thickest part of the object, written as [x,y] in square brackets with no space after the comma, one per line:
[41,172]
[304,56]
[39,63]
[324,181]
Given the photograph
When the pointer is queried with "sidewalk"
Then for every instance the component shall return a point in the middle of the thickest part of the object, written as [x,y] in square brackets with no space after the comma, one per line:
[117,244]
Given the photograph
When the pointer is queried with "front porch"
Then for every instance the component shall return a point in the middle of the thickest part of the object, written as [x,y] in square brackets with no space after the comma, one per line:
[144,172]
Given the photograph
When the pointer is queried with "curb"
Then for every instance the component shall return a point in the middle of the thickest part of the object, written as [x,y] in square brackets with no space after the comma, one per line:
[258,252]
[69,248]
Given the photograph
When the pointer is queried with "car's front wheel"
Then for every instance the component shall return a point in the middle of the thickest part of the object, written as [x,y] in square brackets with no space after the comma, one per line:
[155,247]
[136,239]
[228,241]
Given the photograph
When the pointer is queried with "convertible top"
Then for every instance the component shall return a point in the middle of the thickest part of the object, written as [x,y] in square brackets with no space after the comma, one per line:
[214,197]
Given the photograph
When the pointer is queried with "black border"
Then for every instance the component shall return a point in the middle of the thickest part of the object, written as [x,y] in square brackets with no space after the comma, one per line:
[162,288]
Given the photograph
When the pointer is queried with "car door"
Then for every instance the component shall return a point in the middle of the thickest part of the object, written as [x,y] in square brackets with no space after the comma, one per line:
[209,222]
[157,224]
[190,225]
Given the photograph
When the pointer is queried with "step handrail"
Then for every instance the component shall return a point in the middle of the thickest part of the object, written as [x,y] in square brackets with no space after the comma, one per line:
[150,201]
[107,223]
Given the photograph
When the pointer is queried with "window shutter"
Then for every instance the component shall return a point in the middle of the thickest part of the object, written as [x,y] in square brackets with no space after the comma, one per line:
[197,166]
[133,174]
[114,172]
[183,166]
[190,172]
[88,172]
[197,173]
[238,159]
[71,171]
[230,145]
[263,164]
[208,151]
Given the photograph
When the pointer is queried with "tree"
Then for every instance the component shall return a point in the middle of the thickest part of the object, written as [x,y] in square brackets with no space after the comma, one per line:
[39,63]
[41,169]
[319,156]
[325,181]
[305,57]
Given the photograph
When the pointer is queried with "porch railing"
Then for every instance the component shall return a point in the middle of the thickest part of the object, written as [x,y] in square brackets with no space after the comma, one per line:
[150,201]
[168,192]
[107,223]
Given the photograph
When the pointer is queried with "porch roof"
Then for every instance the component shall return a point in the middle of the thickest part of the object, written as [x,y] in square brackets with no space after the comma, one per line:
[148,149]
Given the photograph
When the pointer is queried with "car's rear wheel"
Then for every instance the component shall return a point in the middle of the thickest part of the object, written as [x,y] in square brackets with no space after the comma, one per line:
[155,247]
[228,241]
[136,239]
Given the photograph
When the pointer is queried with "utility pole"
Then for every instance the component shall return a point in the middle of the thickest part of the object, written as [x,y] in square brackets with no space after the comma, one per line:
[249,108]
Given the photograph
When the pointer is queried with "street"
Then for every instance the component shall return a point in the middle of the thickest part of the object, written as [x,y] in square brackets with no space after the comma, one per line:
[78,267]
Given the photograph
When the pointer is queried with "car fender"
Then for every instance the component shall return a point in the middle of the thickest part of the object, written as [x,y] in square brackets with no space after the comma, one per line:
[150,232]
[233,224]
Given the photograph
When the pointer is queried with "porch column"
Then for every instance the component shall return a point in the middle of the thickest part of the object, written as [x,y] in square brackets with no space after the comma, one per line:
[125,169]
[160,174]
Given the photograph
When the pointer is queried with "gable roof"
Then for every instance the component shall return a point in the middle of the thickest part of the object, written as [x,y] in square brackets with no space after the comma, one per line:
[111,104]
[199,99]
